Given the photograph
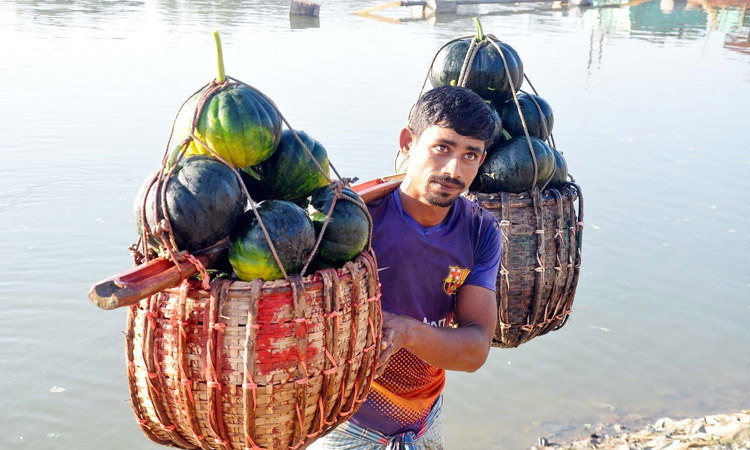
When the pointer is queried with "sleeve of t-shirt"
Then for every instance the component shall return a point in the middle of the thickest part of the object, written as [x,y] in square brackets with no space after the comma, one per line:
[486,255]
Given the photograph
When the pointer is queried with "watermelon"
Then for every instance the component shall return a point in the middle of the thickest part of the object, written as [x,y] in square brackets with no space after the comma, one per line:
[538,125]
[237,122]
[560,177]
[253,184]
[290,173]
[487,75]
[290,231]
[204,200]
[348,229]
[510,168]
[497,135]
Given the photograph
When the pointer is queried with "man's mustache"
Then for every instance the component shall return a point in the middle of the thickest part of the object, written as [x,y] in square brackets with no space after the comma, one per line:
[447,180]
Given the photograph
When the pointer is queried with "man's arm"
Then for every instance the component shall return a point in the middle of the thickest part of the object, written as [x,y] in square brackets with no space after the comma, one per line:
[464,348]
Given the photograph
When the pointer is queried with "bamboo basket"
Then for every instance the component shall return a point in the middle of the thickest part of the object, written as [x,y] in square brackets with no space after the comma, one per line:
[254,365]
[541,260]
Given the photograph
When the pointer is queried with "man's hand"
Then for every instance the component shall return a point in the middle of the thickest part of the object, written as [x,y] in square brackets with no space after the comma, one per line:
[464,348]
[395,330]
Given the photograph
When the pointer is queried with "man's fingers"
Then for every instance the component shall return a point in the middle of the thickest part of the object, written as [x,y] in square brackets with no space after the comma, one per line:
[386,352]
[383,362]
[379,371]
[390,340]
[385,355]
[387,339]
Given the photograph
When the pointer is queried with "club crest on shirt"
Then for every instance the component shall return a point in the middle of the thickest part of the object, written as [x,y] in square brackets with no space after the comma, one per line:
[454,280]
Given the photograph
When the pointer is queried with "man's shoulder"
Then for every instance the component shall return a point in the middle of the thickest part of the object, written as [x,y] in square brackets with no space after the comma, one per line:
[378,202]
[471,210]
[378,207]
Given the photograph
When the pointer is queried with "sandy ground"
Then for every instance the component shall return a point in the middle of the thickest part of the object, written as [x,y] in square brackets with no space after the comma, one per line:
[717,432]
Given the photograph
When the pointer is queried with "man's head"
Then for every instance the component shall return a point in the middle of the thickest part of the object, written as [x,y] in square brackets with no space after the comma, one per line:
[445,142]
[453,107]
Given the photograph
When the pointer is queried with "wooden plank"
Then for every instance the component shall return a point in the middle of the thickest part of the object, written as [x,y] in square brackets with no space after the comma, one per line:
[379,187]
[129,287]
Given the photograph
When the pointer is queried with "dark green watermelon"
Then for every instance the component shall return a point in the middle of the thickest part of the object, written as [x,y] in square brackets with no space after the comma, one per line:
[498,133]
[560,177]
[204,200]
[253,184]
[538,125]
[509,166]
[487,75]
[237,122]
[290,173]
[347,231]
[291,233]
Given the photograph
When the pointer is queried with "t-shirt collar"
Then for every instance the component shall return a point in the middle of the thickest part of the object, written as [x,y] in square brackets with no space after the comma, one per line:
[409,219]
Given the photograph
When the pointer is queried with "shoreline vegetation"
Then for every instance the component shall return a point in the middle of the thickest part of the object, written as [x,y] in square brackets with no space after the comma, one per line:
[715,432]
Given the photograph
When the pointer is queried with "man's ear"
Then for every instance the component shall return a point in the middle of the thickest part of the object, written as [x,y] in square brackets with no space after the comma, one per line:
[405,141]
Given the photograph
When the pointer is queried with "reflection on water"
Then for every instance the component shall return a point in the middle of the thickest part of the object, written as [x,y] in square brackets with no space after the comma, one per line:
[298,22]
[650,101]
[647,19]
[652,20]
[738,42]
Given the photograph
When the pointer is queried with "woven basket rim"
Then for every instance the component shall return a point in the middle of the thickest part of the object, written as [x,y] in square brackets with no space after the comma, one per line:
[280,285]
[179,366]
[540,231]
[524,198]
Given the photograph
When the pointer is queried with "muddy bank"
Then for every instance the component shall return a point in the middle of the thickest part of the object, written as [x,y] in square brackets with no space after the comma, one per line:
[716,432]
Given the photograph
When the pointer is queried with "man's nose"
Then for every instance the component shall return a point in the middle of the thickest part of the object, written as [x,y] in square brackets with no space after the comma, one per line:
[452,167]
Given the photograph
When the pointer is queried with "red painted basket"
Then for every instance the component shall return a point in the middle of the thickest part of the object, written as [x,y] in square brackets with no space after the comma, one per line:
[251,365]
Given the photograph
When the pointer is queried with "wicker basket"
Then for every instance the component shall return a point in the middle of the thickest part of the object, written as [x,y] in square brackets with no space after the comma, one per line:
[200,377]
[541,260]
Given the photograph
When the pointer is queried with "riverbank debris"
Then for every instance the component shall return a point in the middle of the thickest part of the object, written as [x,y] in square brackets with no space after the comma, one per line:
[716,432]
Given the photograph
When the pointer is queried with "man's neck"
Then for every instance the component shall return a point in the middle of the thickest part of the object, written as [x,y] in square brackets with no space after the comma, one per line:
[425,213]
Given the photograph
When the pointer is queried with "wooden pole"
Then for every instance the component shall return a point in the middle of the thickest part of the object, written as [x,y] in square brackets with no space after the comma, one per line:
[304,8]
[130,287]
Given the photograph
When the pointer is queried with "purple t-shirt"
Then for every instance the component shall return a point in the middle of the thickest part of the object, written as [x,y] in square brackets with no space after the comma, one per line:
[421,268]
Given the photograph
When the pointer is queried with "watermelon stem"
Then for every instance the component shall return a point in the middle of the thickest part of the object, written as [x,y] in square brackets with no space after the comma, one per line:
[220,58]
[480,32]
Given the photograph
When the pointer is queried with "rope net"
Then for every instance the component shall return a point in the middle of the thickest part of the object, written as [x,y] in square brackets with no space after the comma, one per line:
[163,233]
[541,308]
[248,365]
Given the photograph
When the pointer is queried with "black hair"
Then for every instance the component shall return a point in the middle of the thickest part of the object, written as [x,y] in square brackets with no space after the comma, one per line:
[453,107]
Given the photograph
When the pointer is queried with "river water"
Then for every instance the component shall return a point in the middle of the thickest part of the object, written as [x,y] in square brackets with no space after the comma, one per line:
[651,110]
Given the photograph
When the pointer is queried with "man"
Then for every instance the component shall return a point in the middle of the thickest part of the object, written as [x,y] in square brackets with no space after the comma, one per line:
[438,254]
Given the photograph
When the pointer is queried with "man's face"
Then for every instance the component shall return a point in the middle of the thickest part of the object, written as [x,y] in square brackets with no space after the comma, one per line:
[442,164]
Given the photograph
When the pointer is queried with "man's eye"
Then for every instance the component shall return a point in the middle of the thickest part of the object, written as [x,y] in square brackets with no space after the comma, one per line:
[471,156]
[441,148]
